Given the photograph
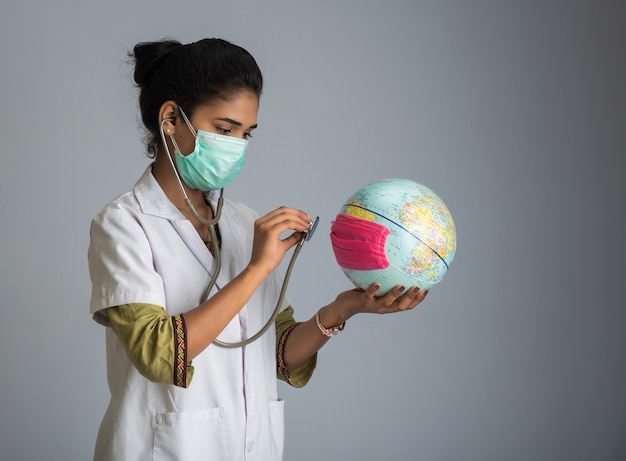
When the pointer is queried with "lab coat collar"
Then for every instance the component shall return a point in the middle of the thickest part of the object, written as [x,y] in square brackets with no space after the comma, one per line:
[152,198]
[153,201]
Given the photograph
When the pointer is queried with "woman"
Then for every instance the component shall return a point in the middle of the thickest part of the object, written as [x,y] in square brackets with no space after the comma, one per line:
[174,394]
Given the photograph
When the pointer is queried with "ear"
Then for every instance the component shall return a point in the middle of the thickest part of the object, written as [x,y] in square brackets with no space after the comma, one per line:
[168,112]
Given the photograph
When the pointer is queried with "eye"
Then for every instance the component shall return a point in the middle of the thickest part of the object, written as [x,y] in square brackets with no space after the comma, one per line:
[247,135]
[221,130]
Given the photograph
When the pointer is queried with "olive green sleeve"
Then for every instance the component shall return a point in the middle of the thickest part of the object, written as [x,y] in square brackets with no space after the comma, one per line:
[155,343]
[285,323]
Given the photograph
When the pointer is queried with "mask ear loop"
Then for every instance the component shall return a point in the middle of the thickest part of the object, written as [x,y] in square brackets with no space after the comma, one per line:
[191,128]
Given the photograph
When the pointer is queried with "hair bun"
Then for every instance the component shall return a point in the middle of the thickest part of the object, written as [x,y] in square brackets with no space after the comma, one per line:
[148,54]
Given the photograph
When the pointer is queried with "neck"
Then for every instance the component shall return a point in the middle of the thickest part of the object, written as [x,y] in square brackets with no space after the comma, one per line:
[164,175]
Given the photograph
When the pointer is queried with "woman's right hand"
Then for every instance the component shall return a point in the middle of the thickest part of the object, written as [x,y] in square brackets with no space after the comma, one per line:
[268,249]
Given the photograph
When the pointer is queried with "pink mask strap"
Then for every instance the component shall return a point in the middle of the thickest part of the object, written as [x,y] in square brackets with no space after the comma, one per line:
[358,244]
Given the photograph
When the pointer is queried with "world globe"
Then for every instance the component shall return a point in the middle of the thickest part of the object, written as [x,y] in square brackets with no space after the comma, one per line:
[394,232]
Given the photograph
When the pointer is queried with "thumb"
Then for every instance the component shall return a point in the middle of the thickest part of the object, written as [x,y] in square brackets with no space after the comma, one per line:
[293,239]
[372,290]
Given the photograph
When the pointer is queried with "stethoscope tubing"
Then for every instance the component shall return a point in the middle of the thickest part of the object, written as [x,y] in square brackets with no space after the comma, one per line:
[211,223]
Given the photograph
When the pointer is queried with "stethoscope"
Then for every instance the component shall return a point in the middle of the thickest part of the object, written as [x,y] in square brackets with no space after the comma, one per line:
[211,224]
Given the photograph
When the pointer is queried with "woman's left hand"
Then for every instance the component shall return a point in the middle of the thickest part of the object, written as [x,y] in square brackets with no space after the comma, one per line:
[365,301]
[306,339]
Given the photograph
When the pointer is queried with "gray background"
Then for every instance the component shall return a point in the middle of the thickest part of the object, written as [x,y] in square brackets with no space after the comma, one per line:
[513,112]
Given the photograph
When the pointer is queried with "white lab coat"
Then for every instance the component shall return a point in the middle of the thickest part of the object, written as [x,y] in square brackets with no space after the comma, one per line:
[143,250]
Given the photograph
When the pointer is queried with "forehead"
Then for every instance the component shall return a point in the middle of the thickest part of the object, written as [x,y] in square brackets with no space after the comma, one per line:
[241,107]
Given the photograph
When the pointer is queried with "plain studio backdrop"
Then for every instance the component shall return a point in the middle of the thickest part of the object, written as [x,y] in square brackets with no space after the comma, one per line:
[512,111]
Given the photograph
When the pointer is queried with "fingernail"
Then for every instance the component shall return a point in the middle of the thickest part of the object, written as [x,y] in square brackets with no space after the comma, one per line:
[401,289]
[425,293]
[377,286]
[416,290]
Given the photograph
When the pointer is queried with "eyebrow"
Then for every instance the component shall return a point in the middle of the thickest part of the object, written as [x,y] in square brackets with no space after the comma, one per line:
[235,122]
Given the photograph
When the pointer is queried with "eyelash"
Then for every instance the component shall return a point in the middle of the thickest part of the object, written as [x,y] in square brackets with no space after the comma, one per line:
[225,131]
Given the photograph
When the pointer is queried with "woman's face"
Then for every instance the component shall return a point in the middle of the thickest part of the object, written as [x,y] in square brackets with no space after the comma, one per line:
[236,117]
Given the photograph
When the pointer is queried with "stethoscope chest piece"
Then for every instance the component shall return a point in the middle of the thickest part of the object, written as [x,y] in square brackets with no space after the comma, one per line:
[309,233]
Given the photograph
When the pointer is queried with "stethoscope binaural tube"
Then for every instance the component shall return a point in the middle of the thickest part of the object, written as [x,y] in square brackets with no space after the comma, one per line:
[211,223]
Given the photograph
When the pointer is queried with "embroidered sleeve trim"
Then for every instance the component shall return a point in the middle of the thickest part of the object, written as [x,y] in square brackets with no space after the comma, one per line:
[180,350]
[280,354]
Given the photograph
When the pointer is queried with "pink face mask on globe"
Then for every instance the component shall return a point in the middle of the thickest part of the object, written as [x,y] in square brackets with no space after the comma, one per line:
[359,244]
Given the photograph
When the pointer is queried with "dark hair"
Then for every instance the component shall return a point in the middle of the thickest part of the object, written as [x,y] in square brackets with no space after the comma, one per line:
[191,75]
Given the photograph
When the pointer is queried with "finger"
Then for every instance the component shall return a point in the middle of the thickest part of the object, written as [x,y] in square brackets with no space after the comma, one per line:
[282,221]
[279,226]
[293,239]
[392,296]
[412,298]
[372,290]
[286,210]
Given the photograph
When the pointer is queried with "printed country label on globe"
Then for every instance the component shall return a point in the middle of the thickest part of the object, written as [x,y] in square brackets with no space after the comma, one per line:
[404,221]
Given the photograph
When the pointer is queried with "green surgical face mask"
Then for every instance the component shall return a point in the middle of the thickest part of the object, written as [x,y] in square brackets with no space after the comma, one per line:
[214,163]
